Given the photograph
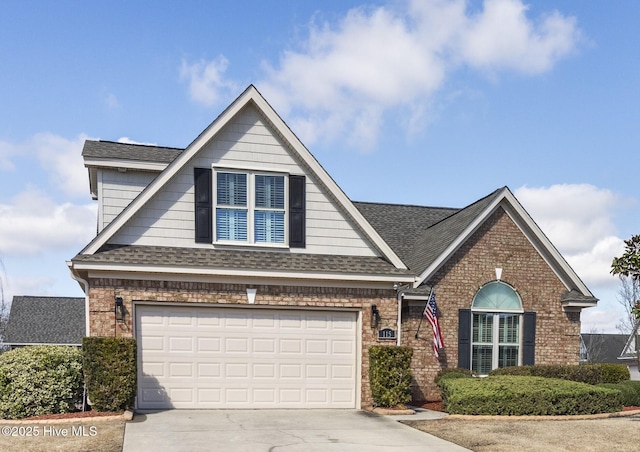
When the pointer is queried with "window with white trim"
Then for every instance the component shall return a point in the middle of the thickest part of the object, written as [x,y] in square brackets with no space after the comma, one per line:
[250,207]
[496,328]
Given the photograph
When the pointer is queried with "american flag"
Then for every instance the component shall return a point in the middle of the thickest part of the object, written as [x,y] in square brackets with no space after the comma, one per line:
[431,314]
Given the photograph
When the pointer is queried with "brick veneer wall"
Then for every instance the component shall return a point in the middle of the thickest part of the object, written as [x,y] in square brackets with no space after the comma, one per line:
[498,243]
[102,317]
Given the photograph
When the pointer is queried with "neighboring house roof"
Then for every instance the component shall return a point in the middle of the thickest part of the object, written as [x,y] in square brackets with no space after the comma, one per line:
[630,350]
[603,348]
[46,320]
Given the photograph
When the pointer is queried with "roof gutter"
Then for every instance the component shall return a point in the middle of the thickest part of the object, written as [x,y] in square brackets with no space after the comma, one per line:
[85,287]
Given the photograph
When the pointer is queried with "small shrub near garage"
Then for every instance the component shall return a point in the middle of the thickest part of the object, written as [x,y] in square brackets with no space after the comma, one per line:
[390,375]
[40,380]
[110,372]
[523,395]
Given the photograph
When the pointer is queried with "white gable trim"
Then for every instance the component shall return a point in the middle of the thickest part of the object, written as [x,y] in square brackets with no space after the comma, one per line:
[529,228]
[251,94]
[124,164]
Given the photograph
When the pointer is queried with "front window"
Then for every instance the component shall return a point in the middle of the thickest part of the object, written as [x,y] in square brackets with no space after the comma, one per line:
[250,207]
[496,328]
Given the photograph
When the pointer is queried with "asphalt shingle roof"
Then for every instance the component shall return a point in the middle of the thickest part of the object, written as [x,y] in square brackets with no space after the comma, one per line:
[420,234]
[125,151]
[239,260]
[604,348]
[46,320]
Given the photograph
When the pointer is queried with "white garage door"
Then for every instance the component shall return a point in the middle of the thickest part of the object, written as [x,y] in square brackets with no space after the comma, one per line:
[212,357]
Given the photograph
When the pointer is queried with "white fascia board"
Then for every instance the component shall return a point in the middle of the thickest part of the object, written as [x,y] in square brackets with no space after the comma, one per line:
[170,171]
[457,243]
[313,164]
[536,237]
[539,240]
[139,269]
[127,164]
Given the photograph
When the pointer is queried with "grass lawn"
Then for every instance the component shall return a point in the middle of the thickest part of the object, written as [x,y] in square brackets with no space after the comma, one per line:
[81,435]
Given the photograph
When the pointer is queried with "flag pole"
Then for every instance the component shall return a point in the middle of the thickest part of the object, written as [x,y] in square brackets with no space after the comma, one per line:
[422,316]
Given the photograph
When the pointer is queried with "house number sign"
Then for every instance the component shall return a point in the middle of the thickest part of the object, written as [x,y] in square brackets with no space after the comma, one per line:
[386,334]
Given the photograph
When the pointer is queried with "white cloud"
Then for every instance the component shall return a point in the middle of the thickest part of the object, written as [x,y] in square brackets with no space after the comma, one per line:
[127,140]
[33,224]
[207,82]
[7,150]
[61,159]
[345,76]
[578,219]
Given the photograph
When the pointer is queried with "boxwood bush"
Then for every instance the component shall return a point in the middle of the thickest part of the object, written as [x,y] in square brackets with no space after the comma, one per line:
[40,380]
[390,375]
[110,372]
[452,372]
[523,395]
[629,395]
[585,373]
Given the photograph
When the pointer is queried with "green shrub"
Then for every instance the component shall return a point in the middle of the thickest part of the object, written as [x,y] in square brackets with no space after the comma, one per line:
[583,373]
[452,372]
[40,380]
[522,395]
[390,375]
[614,373]
[629,395]
[110,372]
[635,385]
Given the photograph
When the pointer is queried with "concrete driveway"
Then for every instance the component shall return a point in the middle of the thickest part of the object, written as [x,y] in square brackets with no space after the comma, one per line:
[275,430]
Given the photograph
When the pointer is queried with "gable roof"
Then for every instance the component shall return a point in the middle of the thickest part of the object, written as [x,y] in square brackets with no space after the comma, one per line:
[46,320]
[629,351]
[250,95]
[604,348]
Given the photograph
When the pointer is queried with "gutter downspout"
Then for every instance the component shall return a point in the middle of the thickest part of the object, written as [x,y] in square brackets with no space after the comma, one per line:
[399,327]
[85,284]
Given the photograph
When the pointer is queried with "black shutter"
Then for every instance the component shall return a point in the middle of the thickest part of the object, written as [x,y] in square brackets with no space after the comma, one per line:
[464,338]
[529,339]
[203,209]
[297,214]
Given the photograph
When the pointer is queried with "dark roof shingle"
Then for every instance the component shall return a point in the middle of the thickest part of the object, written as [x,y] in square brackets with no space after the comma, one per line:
[239,260]
[125,151]
[46,320]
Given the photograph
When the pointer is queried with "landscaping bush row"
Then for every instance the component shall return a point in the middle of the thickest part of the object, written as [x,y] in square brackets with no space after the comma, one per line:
[526,395]
[49,379]
[585,373]
[629,391]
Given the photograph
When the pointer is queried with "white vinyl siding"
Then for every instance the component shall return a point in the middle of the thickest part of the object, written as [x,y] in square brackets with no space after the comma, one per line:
[117,189]
[247,143]
[220,357]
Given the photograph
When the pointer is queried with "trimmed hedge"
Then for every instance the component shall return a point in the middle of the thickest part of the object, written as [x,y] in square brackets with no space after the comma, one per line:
[110,372]
[584,373]
[453,372]
[614,373]
[390,375]
[522,395]
[629,395]
[39,380]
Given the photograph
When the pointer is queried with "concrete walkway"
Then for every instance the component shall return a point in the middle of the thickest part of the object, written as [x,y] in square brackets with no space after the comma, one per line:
[275,430]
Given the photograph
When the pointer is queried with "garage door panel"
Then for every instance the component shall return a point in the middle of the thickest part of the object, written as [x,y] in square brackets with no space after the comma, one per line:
[212,357]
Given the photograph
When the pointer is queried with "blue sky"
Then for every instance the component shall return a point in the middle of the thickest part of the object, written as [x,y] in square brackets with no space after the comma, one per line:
[416,102]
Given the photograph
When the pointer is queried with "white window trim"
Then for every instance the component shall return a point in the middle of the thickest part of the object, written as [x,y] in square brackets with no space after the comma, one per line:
[495,344]
[250,208]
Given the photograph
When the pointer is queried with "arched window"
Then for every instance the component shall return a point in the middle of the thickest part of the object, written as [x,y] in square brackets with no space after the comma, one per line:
[496,328]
